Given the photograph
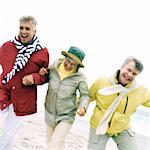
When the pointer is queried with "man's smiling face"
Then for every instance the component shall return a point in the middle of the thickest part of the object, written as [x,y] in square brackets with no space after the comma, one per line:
[26,32]
[128,72]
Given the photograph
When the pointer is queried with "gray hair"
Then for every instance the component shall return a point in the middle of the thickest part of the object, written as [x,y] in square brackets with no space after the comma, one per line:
[138,64]
[28,19]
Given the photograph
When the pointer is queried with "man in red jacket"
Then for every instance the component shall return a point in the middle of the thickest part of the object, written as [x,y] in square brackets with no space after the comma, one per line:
[20,61]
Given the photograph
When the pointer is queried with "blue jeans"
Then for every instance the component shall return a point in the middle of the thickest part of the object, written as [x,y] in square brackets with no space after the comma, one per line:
[125,140]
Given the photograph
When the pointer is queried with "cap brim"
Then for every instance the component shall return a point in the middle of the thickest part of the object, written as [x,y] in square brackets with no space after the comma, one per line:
[73,57]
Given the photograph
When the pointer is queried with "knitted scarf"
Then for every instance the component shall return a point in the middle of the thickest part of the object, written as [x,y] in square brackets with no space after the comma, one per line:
[23,56]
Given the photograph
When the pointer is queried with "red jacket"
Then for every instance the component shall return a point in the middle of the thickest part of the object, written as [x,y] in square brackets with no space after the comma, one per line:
[24,98]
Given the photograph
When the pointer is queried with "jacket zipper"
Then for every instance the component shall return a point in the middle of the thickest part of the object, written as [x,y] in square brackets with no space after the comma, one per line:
[124,109]
[57,94]
[126,105]
[112,116]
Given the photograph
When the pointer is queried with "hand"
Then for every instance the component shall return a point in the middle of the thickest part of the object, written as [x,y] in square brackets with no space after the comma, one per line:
[81,111]
[43,71]
[28,80]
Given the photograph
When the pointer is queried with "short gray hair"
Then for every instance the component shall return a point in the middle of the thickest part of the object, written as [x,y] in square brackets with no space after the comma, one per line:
[28,19]
[138,64]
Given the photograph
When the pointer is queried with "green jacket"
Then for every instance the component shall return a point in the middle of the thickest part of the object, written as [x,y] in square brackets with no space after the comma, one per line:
[121,117]
[61,98]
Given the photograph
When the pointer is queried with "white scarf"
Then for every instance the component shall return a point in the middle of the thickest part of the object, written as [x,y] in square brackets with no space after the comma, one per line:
[23,56]
[115,88]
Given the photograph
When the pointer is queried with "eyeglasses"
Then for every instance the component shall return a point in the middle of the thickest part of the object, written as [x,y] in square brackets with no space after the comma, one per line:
[71,61]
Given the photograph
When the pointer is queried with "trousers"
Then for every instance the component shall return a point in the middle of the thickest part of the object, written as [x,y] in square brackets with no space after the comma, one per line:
[56,135]
[11,124]
[125,140]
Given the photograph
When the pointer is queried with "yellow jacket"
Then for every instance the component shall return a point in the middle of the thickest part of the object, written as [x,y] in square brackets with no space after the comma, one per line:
[127,106]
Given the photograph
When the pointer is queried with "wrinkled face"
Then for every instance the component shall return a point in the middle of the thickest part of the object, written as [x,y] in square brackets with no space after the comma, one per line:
[26,32]
[128,73]
[70,64]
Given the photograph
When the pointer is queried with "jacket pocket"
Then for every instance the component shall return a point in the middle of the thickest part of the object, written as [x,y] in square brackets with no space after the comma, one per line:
[4,98]
[119,123]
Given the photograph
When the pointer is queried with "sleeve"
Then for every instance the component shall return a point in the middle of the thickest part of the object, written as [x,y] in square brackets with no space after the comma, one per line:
[93,90]
[84,94]
[146,98]
[38,79]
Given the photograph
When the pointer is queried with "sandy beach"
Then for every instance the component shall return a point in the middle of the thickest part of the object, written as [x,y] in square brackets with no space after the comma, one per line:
[32,135]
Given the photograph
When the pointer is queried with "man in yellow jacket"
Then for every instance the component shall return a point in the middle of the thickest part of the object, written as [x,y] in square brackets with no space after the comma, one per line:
[117,98]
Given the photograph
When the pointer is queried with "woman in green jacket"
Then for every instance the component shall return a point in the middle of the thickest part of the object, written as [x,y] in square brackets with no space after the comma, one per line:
[65,81]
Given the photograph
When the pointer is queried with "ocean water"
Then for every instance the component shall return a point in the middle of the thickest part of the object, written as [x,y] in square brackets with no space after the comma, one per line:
[140,121]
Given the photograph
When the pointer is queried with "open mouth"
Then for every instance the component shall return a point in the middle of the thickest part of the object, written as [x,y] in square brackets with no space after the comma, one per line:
[127,79]
[24,36]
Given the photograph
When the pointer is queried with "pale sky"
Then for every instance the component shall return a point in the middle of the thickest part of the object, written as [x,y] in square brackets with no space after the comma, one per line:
[108,31]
